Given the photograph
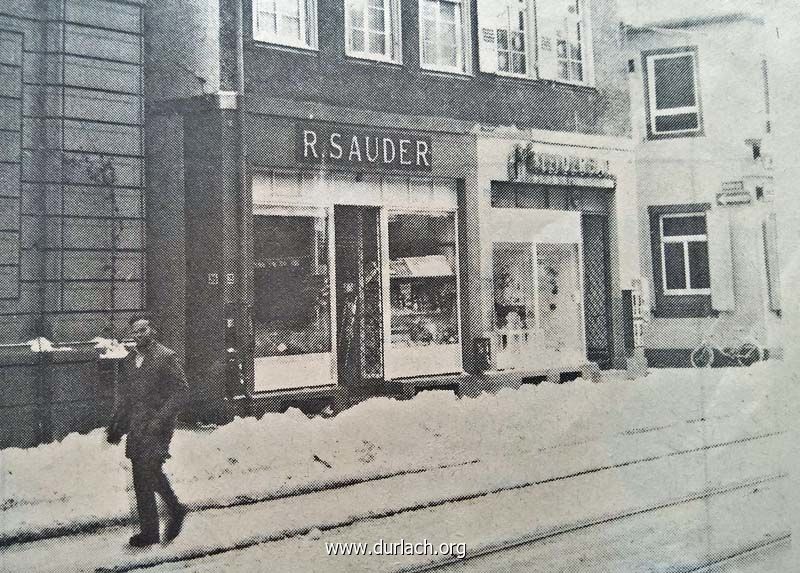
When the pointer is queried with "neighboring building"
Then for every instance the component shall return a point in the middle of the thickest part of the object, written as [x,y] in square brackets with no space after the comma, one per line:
[357,195]
[701,105]
[71,204]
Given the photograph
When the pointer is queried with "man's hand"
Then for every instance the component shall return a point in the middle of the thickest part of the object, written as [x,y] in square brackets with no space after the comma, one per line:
[113,436]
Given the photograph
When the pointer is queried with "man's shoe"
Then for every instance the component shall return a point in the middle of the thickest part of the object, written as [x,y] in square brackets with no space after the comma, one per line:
[142,540]
[175,523]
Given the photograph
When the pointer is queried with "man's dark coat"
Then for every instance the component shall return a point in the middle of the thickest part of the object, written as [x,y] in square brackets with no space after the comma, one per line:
[149,399]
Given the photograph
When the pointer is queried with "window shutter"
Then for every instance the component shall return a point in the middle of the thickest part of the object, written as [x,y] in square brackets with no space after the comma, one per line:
[720,260]
[549,29]
[770,229]
[488,21]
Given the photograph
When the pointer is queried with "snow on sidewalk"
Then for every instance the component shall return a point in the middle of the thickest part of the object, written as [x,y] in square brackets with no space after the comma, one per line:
[647,472]
[82,480]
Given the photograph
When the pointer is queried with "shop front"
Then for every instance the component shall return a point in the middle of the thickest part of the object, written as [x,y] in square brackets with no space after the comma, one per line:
[356,276]
[552,240]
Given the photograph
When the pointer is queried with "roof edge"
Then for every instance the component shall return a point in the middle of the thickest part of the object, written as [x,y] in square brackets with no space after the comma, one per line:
[696,21]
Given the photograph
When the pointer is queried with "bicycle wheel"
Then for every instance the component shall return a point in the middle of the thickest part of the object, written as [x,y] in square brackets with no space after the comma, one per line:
[748,354]
[703,356]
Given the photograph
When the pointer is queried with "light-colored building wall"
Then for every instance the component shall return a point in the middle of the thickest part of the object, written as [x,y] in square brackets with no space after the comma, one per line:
[733,96]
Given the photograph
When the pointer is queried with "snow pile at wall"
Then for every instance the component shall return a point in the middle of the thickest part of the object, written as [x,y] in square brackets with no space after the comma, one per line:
[83,480]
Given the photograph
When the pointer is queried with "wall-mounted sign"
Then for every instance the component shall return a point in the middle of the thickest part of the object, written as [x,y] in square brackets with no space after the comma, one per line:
[362,148]
[733,193]
[528,161]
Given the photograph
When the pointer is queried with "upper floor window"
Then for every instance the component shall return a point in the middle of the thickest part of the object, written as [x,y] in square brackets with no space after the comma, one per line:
[505,31]
[285,22]
[673,99]
[372,28]
[546,39]
[444,43]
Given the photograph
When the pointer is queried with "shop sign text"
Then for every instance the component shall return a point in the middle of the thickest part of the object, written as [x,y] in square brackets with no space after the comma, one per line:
[526,160]
[354,147]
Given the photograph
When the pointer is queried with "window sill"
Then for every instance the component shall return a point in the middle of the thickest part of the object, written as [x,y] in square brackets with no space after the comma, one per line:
[445,73]
[367,59]
[666,136]
[684,306]
[529,79]
[265,44]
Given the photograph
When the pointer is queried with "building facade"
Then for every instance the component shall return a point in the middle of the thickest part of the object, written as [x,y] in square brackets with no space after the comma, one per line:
[704,169]
[359,198]
[72,219]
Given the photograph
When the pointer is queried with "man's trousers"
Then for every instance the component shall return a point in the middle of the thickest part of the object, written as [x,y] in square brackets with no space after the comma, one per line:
[149,479]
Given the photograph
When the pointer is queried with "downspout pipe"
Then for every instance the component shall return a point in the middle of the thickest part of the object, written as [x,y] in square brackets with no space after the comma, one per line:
[241,332]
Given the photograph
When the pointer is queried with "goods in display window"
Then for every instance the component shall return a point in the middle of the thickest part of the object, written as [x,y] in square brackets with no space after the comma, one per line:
[423,294]
[291,310]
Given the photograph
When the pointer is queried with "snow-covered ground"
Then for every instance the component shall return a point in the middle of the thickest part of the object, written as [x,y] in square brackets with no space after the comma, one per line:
[84,481]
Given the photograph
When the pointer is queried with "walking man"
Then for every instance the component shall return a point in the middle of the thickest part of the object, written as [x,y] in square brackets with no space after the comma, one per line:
[152,390]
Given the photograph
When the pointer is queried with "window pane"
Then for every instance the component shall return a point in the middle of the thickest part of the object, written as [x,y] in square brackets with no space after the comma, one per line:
[502,40]
[422,279]
[674,266]
[376,19]
[356,17]
[514,298]
[674,82]
[682,226]
[428,53]
[519,63]
[698,265]
[502,61]
[377,43]
[291,27]
[292,294]
[678,122]
[357,40]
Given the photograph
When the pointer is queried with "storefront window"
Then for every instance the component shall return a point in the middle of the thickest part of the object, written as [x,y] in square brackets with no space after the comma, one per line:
[291,314]
[514,299]
[423,287]
[537,304]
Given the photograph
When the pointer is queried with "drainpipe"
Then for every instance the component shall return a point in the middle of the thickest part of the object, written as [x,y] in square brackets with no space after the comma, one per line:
[237,334]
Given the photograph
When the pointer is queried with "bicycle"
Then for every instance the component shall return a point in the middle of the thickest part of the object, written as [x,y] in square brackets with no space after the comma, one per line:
[745,354]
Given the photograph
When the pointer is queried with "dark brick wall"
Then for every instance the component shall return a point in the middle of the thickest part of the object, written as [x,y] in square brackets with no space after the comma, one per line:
[328,76]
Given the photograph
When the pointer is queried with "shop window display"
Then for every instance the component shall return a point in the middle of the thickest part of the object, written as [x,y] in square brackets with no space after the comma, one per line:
[423,292]
[292,291]
[537,304]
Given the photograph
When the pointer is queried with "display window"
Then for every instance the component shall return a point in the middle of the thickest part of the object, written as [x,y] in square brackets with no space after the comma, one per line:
[537,289]
[537,304]
[423,294]
[292,299]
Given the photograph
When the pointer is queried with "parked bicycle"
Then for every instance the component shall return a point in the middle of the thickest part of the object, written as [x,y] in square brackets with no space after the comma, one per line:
[745,351]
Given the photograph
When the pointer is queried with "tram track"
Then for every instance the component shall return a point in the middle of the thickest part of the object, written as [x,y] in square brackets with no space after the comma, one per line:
[94,526]
[542,536]
[469,496]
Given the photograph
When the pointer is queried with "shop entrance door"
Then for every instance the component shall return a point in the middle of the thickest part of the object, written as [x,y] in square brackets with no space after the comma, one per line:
[358,294]
[597,289]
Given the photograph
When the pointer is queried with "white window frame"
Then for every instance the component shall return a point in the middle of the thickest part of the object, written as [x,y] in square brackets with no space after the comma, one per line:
[392,31]
[530,35]
[464,44]
[684,240]
[308,25]
[579,30]
[651,94]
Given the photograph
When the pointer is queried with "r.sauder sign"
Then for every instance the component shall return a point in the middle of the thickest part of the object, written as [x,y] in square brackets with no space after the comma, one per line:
[355,147]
